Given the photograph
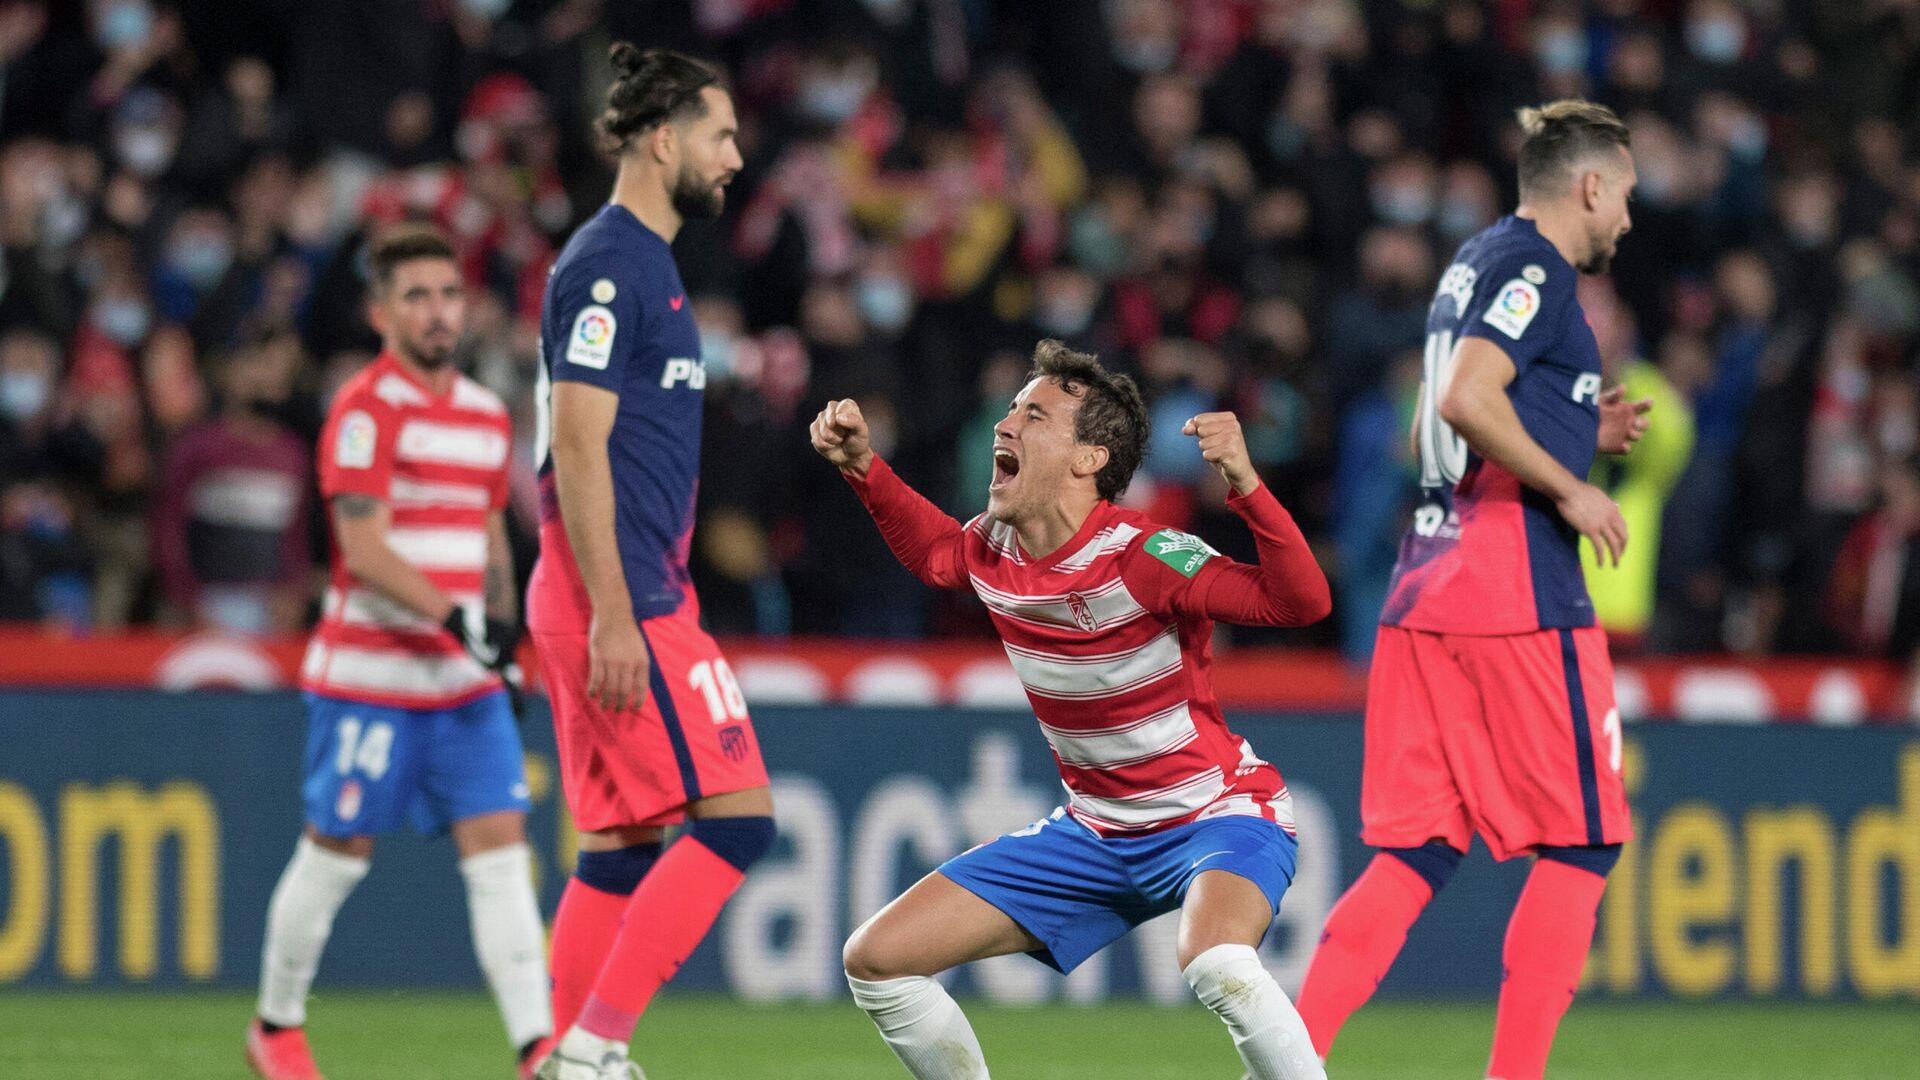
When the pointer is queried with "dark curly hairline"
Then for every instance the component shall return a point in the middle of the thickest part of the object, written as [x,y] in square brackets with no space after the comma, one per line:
[688,102]
[1111,413]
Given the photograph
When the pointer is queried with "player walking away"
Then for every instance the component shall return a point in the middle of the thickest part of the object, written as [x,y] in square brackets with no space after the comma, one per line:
[1490,709]
[408,718]
[1107,618]
[651,725]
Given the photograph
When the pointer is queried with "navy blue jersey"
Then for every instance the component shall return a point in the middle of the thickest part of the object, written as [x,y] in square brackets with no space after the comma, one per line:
[1485,553]
[616,315]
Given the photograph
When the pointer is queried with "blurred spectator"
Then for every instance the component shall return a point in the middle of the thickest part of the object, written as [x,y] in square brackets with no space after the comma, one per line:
[1873,600]
[1640,481]
[230,511]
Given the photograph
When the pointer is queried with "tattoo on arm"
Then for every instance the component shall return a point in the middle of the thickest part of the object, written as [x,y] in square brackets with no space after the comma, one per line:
[355,506]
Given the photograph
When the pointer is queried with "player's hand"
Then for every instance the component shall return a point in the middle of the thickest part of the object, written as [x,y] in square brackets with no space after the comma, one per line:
[1593,514]
[616,664]
[839,434]
[1222,444]
[491,642]
[1622,422]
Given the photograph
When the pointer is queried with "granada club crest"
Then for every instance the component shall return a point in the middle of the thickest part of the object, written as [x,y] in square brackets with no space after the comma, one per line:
[1082,612]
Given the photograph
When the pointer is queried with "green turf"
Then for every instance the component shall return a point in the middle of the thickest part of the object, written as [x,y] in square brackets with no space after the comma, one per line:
[415,1036]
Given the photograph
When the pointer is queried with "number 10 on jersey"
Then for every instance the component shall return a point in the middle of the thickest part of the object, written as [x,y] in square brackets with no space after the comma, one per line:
[1443,454]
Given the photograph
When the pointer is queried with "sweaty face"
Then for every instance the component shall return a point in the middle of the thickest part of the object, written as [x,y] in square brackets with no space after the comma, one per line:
[709,158]
[423,311]
[1610,219]
[1033,452]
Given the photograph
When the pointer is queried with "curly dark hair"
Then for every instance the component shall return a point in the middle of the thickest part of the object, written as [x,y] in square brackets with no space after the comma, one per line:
[652,87]
[1111,412]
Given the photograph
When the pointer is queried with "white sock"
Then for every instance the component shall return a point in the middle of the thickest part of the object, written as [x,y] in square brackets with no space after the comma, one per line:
[925,1027]
[580,1044]
[510,939]
[1268,1033]
[299,919]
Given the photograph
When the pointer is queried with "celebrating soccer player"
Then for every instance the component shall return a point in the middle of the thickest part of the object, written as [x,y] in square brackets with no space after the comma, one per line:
[1107,618]
[1490,709]
[651,725]
[409,719]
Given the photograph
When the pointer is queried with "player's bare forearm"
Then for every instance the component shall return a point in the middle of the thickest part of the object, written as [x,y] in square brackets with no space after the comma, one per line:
[1478,409]
[360,525]
[503,600]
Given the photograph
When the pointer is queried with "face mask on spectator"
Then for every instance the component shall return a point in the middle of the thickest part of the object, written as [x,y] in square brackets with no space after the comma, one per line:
[1717,41]
[1064,318]
[1404,204]
[1147,56]
[62,221]
[487,9]
[885,302]
[832,99]
[716,354]
[1097,249]
[1459,219]
[1285,139]
[144,150]
[122,318]
[1561,52]
[201,260]
[24,393]
[124,24]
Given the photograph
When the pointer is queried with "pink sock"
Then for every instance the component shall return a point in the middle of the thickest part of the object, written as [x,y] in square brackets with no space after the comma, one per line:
[669,913]
[583,933]
[1547,942]
[1363,934]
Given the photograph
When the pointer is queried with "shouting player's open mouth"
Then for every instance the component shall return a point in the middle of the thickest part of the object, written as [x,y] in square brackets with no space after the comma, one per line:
[1005,467]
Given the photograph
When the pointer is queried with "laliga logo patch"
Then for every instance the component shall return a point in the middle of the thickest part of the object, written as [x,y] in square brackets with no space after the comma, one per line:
[353,445]
[1513,308]
[591,343]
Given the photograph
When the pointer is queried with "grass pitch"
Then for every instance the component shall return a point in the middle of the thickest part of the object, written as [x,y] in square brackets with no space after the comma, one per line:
[421,1036]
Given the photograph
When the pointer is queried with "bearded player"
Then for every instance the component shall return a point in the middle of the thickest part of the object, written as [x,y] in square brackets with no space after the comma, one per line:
[650,723]
[1490,709]
[1107,618]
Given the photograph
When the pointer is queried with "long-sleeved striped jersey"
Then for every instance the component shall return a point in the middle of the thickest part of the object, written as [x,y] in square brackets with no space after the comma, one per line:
[1111,636]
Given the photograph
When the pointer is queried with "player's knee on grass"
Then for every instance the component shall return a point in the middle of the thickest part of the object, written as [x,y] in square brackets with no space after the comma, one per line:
[1434,861]
[1596,858]
[741,841]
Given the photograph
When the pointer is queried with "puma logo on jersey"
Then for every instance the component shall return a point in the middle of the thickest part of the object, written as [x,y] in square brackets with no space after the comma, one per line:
[680,369]
[1587,386]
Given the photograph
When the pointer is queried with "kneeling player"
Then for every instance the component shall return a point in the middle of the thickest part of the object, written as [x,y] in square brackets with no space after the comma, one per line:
[1107,619]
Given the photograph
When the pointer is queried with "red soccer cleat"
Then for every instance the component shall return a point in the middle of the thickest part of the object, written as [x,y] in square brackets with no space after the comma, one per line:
[531,1063]
[282,1055]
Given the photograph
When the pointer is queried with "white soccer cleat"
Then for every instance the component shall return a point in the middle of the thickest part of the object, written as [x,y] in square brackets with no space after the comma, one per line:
[560,1067]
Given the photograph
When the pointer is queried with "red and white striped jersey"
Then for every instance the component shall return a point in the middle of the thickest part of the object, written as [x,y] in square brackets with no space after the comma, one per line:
[1111,636]
[440,465]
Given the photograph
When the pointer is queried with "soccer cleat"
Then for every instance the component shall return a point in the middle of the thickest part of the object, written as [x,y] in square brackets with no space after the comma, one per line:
[280,1055]
[559,1066]
[530,1064]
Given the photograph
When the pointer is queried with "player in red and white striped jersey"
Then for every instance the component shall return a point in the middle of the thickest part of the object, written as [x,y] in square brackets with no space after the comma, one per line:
[408,718]
[1107,618]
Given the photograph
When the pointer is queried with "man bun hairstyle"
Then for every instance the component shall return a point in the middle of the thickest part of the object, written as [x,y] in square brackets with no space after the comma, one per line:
[650,88]
[1111,412]
[402,244]
[1561,134]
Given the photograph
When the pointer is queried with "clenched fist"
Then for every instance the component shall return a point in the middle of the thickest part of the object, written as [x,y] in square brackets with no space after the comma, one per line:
[1224,448]
[839,434]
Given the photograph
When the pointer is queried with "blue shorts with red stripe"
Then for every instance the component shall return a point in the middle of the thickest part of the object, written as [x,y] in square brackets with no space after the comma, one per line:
[1514,738]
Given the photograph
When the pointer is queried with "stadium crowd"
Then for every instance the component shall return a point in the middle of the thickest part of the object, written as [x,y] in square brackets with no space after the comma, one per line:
[1243,203]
